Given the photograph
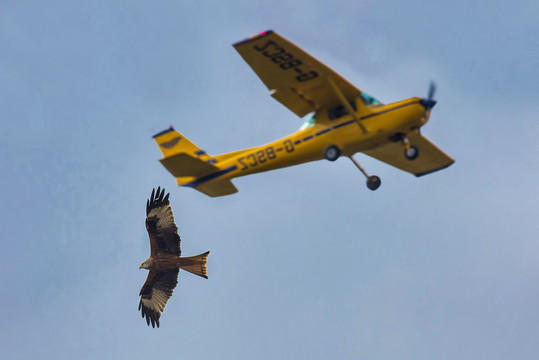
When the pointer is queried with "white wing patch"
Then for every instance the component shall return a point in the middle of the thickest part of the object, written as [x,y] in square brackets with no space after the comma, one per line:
[158,301]
[165,218]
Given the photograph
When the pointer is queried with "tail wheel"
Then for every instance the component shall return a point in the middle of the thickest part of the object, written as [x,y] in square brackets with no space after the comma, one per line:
[373,182]
[332,153]
[411,153]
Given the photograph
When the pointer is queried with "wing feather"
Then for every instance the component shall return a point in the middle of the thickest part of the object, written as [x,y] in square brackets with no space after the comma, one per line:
[155,293]
[160,224]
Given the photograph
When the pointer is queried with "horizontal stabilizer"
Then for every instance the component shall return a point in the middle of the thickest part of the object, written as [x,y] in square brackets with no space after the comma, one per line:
[217,188]
[183,164]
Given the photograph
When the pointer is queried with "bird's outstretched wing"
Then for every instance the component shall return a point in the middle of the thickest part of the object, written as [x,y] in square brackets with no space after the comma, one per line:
[160,224]
[155,293]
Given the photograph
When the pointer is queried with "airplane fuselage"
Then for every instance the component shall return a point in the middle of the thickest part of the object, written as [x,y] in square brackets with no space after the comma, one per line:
[308,144]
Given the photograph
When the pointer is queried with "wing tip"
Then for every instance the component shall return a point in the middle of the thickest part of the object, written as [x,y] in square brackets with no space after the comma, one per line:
[157,198]
[152,316]
[253,37]
[434,170]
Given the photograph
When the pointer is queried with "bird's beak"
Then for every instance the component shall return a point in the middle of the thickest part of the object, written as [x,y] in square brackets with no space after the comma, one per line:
[140,267]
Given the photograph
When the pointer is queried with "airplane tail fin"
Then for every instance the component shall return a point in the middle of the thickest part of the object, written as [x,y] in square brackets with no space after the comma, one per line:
[182,158]
[192,166]
[171,142]
[195,264]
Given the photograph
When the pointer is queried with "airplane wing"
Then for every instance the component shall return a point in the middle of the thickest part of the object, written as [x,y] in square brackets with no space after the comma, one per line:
[296,79]
[430,157]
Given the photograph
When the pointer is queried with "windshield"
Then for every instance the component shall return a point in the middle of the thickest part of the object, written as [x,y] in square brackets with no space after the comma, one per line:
[369,100]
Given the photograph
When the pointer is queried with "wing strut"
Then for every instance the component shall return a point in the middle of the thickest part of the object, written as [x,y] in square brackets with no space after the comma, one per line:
[346,104]
[373,182]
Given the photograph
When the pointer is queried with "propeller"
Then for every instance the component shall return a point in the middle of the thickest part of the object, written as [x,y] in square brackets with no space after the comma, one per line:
[432,90]
[429,102]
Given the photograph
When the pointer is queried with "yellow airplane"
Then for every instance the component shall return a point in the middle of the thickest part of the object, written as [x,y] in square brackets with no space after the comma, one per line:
[345,121]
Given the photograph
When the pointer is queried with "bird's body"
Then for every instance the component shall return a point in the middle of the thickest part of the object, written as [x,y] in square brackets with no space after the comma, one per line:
[167,262]
[165,259]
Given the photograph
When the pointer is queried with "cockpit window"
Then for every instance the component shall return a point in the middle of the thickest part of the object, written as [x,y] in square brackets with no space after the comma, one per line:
[369,100]
[339,111]
[308,123]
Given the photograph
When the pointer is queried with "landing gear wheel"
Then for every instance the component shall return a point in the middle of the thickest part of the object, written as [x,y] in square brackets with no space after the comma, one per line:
[411,153]
[373,182]
[332,153]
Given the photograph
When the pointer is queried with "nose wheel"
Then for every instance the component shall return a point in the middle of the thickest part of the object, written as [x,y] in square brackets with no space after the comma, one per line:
[373,182]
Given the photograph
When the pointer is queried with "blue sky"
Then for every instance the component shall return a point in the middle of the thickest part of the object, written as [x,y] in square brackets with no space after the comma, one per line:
[305,261]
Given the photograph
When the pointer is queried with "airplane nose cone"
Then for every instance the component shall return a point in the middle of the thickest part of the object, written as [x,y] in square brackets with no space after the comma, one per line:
[427,103]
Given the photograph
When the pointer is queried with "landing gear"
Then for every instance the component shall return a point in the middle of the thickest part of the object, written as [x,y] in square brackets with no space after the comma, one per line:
[332,153]
[373,182]
[411,152]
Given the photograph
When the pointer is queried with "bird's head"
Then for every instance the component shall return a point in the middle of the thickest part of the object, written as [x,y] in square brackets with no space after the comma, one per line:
[145,265]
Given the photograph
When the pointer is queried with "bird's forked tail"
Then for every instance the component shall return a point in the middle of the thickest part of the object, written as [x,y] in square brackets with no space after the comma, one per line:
[195,264]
